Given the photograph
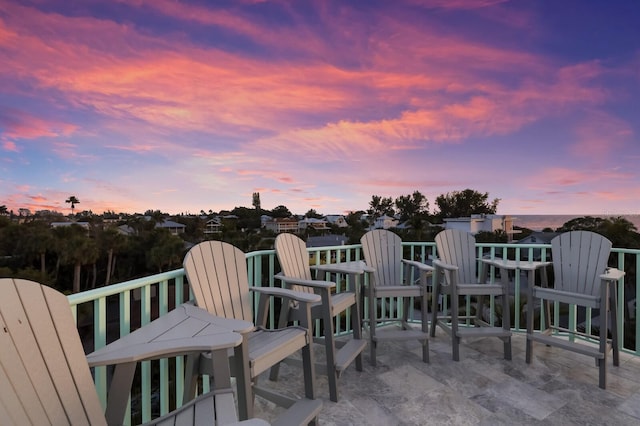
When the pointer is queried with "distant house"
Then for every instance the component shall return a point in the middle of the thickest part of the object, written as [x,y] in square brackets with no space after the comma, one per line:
[282,224]
[174,227]
[537,238]
[213,226]
[385,222]
[482,223]
[337,220]
[311,222]
[327,241]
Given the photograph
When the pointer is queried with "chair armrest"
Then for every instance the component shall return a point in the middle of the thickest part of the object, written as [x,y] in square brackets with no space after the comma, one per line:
[513,265]
[308,283]
[285,292]
[421,266]
[352,267]
[612,274]
[440,264]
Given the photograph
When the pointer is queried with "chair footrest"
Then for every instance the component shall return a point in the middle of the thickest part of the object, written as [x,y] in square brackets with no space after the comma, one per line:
[347,353]
[483,332]
[382,335]
[559,342]
[300,413]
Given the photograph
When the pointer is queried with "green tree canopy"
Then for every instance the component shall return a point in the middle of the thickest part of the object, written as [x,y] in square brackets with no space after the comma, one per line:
[381,206]
[465,203]
[620,231]
[313,214]
[280,211]
[409,206]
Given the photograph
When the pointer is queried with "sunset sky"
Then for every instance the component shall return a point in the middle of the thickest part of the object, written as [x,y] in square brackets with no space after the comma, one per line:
[183,106]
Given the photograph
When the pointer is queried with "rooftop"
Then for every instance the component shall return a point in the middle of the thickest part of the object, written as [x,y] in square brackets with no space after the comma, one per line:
[558,388]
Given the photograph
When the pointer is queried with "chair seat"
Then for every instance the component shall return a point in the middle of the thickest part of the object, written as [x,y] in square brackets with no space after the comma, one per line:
[268,347]
[340,302]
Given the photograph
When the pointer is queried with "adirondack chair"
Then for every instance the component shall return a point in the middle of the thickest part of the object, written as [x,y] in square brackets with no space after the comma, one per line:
[296,275]
[217,274]
[581,278]
[456,276]
[382,250]
[44,375]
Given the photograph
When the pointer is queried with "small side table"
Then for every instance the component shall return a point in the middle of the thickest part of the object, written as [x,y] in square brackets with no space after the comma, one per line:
[519,265]
[186,330]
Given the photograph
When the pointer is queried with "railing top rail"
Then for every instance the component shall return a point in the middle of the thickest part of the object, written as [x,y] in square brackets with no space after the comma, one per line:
[90,295]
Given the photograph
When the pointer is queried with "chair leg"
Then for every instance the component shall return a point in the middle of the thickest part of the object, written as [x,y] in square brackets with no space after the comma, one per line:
[282,323]
[373,318]
[506,319]
[330,352]
[455,338]
[435,294]
[615,343]
[308,368]
[530,311]
[425,328]
[356,325]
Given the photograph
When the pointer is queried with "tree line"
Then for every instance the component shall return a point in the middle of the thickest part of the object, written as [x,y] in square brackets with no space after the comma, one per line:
[75,258]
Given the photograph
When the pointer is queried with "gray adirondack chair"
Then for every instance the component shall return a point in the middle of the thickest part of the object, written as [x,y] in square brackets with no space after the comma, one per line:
[456,275]
[217,274]
[394,277]
[581,278]
[296,275]
[45,378]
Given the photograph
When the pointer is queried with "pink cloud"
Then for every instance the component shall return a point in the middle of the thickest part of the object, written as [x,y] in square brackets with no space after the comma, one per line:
[239,95]
[22,125]
[601,135]
[9,146]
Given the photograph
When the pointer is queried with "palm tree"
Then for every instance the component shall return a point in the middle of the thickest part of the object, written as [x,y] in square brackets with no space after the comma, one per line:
[73,200]
[112,241]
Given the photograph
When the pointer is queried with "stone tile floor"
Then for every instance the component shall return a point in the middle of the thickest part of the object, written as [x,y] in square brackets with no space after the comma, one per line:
[558,388]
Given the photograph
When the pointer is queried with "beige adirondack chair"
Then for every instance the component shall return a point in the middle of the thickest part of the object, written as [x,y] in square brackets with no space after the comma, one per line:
[394,277]
[217,274]
[296,275]
[581,278]
[456,275]
[44,375]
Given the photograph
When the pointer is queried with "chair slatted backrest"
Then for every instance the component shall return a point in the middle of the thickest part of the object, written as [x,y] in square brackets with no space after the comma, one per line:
[579,257]
[382,250]
[294,259]
[217,274]
[44,375]
[458,248]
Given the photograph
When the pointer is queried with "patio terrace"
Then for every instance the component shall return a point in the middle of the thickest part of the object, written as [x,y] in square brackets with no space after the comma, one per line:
[559,387]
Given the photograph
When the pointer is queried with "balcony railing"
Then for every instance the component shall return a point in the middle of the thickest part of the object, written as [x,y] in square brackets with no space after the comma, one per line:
[104,314]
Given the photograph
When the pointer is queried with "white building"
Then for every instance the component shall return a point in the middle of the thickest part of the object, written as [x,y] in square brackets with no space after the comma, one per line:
[338,220]
[482,223]
[282,224]
[385,222]
[311,222]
